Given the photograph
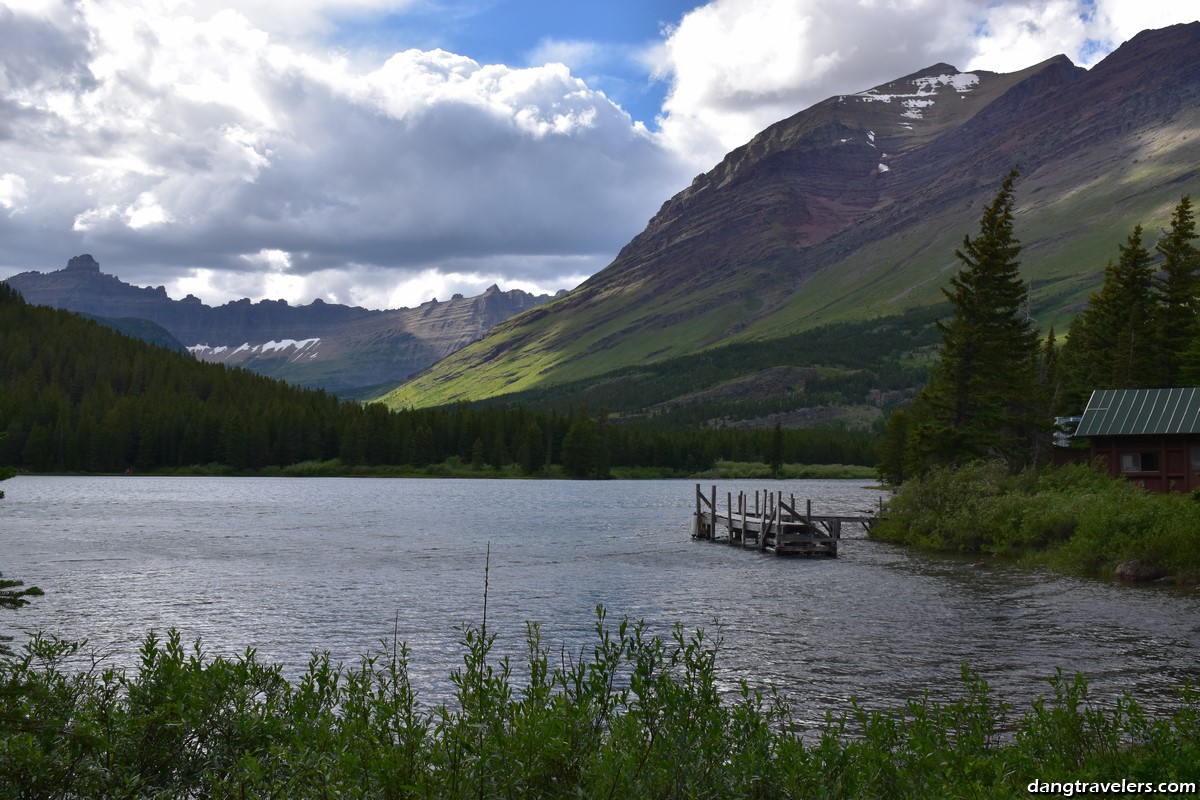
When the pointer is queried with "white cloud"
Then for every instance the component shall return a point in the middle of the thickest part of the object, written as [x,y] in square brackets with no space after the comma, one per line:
[1017,34]
[737,66]
[226,152]
[375,287]
[195,143]
[12,190]
[291,18]
[144,212]
[577,54]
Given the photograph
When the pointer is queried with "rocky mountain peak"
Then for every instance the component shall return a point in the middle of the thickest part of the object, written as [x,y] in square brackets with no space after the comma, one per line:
[83,263]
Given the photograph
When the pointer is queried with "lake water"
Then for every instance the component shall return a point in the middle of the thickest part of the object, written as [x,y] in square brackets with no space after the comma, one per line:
[291,566]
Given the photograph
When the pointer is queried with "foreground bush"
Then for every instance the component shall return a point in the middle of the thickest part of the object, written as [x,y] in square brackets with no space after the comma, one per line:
[637,717]
[1082,518]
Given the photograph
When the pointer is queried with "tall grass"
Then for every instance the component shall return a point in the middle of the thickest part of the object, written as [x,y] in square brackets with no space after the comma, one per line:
[633,716]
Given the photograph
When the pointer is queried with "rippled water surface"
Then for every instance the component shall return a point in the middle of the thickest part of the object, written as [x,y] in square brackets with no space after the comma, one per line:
[291,566]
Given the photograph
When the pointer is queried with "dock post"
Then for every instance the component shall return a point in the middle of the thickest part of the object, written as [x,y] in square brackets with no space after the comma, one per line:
[742,502]
[779,525]
[713,505]
[764,522]
[808,512]
[729,513]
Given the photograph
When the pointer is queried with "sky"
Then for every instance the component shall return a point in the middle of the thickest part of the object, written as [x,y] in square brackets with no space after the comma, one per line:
[382,153]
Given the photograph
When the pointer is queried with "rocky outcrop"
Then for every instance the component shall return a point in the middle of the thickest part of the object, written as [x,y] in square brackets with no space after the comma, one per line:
[1139,571]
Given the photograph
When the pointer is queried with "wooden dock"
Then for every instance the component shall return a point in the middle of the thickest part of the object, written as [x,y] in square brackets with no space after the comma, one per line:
[773,525]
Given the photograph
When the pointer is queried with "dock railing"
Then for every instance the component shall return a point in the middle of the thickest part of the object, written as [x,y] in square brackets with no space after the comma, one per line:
[775,525]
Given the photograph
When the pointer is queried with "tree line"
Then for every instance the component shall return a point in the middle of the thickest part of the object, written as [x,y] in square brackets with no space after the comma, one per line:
[856,358]
[997,386]
[1141,329]
[78,397]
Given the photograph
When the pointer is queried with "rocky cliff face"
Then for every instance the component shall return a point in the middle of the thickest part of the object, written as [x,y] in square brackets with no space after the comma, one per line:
[321,345]
[854,207]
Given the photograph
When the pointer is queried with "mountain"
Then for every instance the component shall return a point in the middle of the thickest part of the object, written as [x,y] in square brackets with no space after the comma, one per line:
[144,329]
[321,345]
[852,209]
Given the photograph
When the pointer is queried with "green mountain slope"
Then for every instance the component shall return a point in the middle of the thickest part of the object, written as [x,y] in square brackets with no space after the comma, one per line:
[852,210]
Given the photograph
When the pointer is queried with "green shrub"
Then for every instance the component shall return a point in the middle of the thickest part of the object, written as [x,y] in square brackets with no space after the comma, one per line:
[944,509]
[636,716]
[1081,518]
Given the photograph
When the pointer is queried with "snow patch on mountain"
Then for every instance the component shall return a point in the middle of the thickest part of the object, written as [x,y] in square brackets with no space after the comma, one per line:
[926,88]
[302,347]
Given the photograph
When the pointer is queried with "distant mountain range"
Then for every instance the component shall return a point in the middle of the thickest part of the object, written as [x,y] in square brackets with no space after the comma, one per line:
[852,210]
[345,349]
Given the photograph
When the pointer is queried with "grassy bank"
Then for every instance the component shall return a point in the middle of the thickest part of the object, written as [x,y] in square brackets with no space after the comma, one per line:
[633,716]
[1072,518]
[724,470]
[455,467]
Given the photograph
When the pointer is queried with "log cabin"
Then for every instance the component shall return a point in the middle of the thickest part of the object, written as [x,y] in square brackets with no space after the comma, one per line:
[1148,436]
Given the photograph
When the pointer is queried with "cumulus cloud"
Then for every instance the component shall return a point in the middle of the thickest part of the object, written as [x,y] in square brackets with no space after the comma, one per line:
[227,152]
[199,143]
[737,66]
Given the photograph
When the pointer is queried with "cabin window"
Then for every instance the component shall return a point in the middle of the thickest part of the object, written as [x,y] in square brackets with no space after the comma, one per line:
[1139,462]
[1195,457]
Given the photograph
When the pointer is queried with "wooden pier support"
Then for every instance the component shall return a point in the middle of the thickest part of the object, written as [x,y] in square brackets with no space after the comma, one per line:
[775,526]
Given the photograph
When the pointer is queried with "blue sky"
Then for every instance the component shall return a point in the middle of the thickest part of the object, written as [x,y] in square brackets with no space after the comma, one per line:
[385,152]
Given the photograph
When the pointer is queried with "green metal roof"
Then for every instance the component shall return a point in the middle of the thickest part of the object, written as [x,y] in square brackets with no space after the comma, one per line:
[1132,412]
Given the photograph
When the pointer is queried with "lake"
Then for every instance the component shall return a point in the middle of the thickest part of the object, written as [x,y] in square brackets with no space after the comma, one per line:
[292,566]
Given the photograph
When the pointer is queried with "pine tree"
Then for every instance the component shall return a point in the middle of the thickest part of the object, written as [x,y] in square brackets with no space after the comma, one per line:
[1110,344]
[530,454]
[584,447]
[579,447]
[1177,294]
[982,398]
[892,448]
[775,450]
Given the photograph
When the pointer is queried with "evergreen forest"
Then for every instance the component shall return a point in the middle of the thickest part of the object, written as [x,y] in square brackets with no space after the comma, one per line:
[996,387]
[76,396]
[972,457]
[1141,329]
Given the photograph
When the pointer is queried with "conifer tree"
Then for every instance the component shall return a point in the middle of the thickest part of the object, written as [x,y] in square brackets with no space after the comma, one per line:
[579,447]
[1177,294]
[982,398]
[775,450]
[529,454]
[892,448]
[1110,345]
